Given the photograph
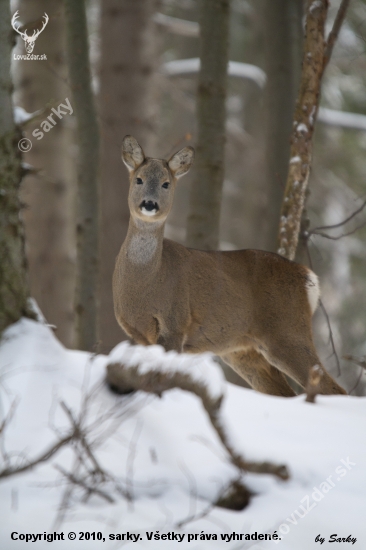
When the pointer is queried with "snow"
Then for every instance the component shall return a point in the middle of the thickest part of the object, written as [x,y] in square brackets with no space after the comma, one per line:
[21,115]
[239,70]
[164,453]
[340,118]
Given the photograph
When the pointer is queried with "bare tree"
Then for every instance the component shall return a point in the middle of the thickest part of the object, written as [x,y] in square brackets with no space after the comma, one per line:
[49,191]
[316,54]
[127,86]
[283,38]
[206,191]
[87,208]
[13,281]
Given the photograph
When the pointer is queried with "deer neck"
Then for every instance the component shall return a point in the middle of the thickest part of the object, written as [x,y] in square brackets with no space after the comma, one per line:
[143,245]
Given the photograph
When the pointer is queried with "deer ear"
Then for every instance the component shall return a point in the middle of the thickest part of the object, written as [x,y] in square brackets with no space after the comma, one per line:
[181,162]
[132,154]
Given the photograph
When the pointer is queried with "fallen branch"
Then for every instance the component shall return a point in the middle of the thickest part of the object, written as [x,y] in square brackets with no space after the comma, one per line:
[156,382]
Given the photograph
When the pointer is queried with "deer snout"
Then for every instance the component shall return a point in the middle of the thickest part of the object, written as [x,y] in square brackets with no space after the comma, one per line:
[149,208]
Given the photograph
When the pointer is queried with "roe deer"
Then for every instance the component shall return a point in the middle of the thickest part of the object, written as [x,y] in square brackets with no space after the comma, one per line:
[251,308]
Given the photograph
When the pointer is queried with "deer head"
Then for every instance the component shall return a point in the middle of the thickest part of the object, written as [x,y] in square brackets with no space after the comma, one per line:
[153,181]
[29,40]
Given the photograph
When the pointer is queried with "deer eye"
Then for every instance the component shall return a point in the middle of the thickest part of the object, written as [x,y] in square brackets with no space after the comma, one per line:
[165,185]
[139,181]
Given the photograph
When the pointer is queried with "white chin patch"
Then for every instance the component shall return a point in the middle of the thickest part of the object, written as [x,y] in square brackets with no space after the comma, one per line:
[148,212]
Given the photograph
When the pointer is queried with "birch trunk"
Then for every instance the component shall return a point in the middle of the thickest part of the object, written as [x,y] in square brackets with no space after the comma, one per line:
[205,196]
[13,280]
[87,207]
[303,127]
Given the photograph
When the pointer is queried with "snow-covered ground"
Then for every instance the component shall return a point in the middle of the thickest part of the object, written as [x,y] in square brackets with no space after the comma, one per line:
[163,463]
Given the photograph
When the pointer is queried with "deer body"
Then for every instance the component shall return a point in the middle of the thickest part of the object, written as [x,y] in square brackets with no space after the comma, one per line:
[250,307]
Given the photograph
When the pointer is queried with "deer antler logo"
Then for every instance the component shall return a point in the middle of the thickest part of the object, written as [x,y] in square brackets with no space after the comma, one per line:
[29,40]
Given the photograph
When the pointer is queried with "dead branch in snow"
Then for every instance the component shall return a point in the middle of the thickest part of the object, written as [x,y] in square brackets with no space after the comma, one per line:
[12,470]
[313,385]
[156,382]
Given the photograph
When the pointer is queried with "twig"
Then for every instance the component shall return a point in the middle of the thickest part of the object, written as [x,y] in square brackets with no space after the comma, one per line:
[313,384]
[331,336]
[339,224]
[361,363]
[82,483]
[9,416]
[42,458]
[333,35]
[83,440]
[326,236]
[130,460]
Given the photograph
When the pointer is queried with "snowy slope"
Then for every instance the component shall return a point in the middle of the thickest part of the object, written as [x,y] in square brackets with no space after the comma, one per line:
[164,462]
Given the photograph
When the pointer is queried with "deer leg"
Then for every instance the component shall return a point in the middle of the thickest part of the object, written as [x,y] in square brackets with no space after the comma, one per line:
[255,370]
[172,341]
[295,357]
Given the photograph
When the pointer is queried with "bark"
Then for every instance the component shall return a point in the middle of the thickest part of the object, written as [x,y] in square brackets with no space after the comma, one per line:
[127,85]
[206,192]
[283,37]
[316,55]
[50,193]
[13,280]
[87,206]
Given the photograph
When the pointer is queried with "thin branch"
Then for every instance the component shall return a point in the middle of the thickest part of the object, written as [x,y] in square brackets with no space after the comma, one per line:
[351,232]
[77,481]
[333,35]
[358,381]
[339,224]
[42,458]
[331,336]
[83,440]
[322,306]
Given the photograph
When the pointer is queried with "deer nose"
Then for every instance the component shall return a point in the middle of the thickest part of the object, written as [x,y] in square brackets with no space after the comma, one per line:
[149,206]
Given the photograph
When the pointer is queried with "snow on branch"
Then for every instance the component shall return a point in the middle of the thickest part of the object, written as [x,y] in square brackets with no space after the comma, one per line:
[182,67]
[152,370]
[176,25]
[331,117]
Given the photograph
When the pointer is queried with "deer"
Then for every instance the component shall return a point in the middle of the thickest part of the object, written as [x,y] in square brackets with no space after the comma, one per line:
[251,308]
[29,40]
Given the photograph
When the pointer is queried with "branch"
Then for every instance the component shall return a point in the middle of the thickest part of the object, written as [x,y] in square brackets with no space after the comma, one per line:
[7,472]
[313,384]
[339,224]
[156,382]
[77,481]
[333,35]
[177,25]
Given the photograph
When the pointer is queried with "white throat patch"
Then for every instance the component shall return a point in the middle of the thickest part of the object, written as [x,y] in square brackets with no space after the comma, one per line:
[142,248]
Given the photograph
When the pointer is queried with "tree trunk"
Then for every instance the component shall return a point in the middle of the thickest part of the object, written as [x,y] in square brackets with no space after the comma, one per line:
[13,281]
[128,39]
[283,37]
[303,127]
[87,207]
[49,194]
[206,192]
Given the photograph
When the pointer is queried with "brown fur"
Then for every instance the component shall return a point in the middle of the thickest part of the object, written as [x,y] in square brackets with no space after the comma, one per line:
[248,306]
